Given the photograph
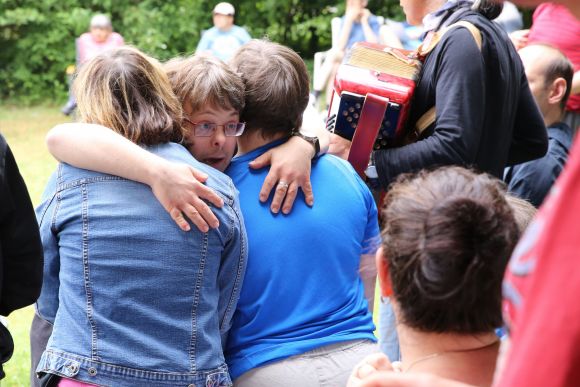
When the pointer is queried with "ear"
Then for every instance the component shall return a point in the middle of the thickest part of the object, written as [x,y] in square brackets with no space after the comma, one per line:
[383,274]
[557,91]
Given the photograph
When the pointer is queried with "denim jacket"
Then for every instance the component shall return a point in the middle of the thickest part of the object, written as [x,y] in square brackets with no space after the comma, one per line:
[133,299]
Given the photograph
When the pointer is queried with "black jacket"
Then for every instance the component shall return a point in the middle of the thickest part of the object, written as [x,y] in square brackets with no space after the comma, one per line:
[486,115]
[20,248]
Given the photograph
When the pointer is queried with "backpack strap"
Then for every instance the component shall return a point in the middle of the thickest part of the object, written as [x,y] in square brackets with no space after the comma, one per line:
[426,47]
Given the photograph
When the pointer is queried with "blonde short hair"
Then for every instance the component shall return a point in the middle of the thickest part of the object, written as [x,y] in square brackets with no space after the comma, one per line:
[524,211]
[128,92]
[202,79]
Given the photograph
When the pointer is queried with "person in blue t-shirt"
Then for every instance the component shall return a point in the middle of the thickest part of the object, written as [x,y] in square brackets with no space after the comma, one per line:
[357,25]
[302,317]
[225,37]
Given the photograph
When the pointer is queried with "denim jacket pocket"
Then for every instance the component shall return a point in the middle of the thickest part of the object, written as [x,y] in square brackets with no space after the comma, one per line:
[218,379]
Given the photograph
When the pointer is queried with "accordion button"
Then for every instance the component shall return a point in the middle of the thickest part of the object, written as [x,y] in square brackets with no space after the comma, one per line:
[357,105]
[355,115]
[349,119]
[344,113]
[351,109]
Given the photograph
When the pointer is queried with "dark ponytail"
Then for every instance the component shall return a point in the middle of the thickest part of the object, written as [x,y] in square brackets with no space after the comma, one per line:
[488,8]
[447,238]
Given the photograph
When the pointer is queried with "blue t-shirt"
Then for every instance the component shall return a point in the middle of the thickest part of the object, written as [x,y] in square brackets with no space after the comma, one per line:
[357,33]
[223,44]
[302,288]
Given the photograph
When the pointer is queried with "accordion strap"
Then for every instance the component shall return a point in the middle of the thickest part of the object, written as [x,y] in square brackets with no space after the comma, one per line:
[428,45]
[372,114]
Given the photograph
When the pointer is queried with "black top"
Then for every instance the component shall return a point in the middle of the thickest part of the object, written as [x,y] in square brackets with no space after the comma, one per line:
[20,247]
[533,180]
[486,115]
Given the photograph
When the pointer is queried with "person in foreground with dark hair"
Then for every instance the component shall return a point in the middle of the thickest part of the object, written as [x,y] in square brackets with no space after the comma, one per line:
[447,238]
[20,248]
[550,75]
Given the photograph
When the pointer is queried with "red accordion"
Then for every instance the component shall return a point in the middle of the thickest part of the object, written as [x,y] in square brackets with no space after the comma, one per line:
[371,100]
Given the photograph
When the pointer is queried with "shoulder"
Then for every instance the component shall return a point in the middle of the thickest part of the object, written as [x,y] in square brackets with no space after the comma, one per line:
[85,38]
[561,135]
[211,32]
[217,180]
[342,172]
[117,38]
[543,10]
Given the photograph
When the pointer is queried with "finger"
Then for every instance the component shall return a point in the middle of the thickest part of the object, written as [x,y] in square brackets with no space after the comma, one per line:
[178,218]
[208,194]
[290,198]
[365,370]
[262,161]
[308,193]
[206,213]
[279,195]
[379,361]
[196,218]
[199,175]
[268,185]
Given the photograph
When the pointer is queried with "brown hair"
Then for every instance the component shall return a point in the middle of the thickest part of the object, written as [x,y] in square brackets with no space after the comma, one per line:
[128,92]
[201,79]
[447,237]
[277,86]
[558,67]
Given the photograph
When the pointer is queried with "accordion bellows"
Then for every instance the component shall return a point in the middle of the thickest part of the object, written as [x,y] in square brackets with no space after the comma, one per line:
[385,59]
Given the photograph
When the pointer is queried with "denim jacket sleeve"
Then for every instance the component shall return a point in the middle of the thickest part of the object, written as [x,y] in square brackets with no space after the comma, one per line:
[47,304]
[233,265]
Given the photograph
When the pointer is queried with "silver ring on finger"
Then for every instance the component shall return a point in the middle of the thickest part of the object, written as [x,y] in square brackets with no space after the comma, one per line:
[283,185]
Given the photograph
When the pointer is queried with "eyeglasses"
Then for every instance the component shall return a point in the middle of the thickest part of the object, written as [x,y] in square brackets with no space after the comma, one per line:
[207,129]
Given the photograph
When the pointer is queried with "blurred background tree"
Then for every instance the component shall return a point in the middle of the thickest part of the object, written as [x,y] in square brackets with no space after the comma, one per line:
[37,38]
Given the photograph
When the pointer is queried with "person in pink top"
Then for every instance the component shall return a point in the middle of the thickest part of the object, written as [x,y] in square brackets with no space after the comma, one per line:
[556,25]
[90,44]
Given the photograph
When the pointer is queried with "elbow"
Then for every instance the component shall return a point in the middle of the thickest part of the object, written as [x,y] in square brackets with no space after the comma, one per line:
[54,139]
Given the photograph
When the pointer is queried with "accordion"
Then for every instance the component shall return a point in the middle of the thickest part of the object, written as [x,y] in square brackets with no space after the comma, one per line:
[372,95]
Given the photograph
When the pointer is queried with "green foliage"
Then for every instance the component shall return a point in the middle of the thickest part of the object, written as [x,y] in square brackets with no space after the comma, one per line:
[38,37]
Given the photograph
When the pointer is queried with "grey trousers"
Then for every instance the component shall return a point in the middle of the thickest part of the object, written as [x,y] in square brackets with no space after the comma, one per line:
[40,332]
[328,366]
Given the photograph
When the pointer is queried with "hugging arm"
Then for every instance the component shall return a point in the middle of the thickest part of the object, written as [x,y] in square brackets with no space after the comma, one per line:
[177,186]
[291,163]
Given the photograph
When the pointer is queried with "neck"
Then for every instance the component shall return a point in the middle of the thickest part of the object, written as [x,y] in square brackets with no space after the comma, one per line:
[466,358]
[253,139]
[553,116]
[434,5]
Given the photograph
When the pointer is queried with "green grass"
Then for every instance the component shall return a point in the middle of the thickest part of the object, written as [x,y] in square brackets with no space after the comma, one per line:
[25,129]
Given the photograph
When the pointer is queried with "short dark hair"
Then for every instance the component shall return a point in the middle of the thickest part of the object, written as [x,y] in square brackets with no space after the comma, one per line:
[559,67]
[447,238]
[277,87]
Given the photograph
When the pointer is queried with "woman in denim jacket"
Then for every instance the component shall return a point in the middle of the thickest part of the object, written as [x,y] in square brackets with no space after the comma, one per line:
[139,301]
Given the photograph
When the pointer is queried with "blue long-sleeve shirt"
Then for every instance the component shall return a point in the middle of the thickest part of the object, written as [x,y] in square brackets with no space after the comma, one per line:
[533,180]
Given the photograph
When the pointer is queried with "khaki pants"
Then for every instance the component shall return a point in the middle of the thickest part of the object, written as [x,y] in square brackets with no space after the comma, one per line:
[328,366]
